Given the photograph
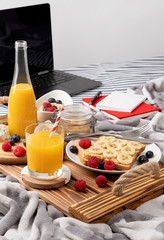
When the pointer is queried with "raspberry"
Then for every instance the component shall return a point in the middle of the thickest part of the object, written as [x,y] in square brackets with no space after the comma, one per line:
[19,151]
[109,165]
[80,185]
[93,162]
[51,109]
[6,146]
[101,181]
[85,143]
[46,105]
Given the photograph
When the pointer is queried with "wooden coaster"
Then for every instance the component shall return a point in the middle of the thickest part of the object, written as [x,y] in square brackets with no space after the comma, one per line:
[46,183]
[9,157]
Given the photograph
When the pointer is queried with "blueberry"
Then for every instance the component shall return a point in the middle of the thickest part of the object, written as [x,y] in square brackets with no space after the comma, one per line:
[143,159]
[54,106]
[73,149]
[45,109]
[59,102]
[16,137]
[101,165]
[149,154]
[51,100]
[24,143]
[12,142]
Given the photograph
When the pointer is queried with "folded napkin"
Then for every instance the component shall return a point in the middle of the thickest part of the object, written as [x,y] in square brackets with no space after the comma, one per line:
[3,110]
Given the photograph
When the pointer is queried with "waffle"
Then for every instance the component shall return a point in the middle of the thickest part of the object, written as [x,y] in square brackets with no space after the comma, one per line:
[121,151]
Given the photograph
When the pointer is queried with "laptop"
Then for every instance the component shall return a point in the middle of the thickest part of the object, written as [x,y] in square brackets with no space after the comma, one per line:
[33,24]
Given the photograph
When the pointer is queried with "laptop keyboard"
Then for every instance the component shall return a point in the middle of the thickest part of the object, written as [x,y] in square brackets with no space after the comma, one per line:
[43,81]
[4,90]
[50,79]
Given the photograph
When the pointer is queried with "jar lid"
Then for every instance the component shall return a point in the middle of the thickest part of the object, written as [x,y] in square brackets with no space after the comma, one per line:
[76,112]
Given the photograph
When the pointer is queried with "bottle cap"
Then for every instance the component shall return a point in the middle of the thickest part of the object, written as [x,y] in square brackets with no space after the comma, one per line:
[20,44]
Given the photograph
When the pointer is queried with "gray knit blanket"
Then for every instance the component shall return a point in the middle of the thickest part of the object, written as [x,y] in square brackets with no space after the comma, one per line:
[23,216]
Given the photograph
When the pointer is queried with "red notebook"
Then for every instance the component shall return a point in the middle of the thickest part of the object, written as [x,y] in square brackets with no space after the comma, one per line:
[142,111]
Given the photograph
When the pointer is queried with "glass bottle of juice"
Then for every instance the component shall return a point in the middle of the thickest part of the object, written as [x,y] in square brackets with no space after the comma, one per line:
[22,103]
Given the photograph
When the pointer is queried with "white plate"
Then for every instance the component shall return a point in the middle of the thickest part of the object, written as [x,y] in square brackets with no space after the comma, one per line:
[58,95]
[152,147]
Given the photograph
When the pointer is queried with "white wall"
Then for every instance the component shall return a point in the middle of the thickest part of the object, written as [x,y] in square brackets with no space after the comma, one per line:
[92,31]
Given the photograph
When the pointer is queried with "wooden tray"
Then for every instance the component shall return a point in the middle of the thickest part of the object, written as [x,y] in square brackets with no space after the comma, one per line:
[96,204]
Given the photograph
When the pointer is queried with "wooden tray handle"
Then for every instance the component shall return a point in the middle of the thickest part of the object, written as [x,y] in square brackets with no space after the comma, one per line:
[119,185]
[4,99]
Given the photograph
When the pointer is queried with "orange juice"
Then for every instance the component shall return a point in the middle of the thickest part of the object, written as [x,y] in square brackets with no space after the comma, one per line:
[22,109]
[45,153]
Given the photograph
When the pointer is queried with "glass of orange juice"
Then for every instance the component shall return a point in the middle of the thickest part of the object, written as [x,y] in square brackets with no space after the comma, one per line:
[44,152]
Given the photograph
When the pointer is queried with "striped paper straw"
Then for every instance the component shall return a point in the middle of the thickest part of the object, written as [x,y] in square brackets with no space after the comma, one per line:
[57,121]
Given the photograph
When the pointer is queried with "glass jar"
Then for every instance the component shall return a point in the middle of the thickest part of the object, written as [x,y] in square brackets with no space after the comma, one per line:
[77,118]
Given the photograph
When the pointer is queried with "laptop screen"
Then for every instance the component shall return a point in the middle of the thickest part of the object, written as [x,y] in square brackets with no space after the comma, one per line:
[33,24]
